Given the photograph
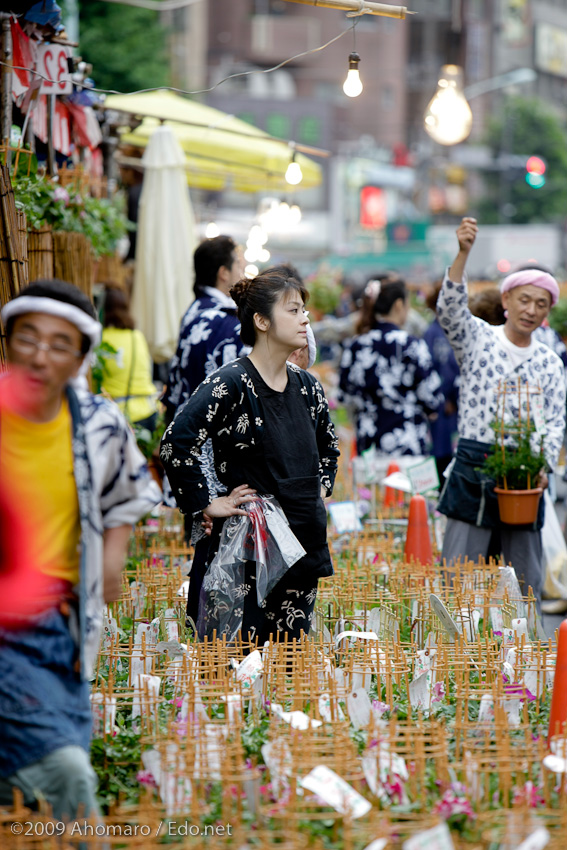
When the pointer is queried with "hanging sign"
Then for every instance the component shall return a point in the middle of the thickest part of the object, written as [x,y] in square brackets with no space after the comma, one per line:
[53,65]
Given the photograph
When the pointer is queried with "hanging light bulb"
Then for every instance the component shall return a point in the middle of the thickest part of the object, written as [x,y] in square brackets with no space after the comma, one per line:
[448,117]
[212,230]
[294,174]
[352,86]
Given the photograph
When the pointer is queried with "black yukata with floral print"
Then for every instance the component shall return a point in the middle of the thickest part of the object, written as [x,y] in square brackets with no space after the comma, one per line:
[280,443]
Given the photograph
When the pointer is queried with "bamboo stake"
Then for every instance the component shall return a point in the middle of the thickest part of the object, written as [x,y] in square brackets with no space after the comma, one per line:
[366,6]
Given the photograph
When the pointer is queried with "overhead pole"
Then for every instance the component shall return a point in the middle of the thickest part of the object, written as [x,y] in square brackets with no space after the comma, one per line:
[366,7]
[6,95]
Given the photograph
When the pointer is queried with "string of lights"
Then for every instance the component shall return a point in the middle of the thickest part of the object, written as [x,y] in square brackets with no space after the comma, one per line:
[196,91]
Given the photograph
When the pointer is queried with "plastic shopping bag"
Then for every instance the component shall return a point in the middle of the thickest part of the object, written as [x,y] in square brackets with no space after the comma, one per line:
[554,553]
[262,536]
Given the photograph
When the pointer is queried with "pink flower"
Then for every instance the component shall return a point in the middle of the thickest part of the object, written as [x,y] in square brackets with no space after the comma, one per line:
[380,708]
[454,802]
[144,777]
[528,795]
[438,692]
[61,194]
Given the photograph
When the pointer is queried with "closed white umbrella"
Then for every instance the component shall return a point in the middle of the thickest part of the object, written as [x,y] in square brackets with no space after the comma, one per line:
[163,283]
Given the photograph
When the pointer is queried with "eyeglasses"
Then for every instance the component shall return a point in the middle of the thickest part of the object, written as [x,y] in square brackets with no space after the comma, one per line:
[28,346]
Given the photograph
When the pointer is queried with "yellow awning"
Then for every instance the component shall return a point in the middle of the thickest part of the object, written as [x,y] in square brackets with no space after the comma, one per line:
[221,151]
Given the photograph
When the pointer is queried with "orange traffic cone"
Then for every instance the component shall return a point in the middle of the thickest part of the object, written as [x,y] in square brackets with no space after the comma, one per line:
[558,713]
[418,542]
[353,450]
[390,495]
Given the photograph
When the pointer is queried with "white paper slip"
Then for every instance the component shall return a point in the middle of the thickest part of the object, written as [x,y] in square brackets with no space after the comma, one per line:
[447,621]
[331,788]
[437,838]
[296,719]
[379,844]
[537,840]
[397,481]
[344,517]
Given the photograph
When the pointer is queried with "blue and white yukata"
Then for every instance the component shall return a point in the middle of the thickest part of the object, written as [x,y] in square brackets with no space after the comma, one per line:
[387,376]
[468,497]
[44,669]
[209,338]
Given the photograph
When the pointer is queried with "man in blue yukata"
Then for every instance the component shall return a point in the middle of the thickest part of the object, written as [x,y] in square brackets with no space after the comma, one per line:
[209,335]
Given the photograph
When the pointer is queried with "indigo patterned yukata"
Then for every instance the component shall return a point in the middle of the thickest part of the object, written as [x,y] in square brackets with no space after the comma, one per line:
[280,443]
[44,669]
[388,377]
[209,337]
[444,428]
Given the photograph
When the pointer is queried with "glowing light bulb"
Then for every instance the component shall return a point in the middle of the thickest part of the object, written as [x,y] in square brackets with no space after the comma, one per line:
[295,214]
[212,230]
[258,234]
[251,270]
[448,117]
[294,174]
[352,86]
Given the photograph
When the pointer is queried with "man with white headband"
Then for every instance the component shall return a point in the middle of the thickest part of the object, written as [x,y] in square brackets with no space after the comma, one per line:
[488,355]
[80,483]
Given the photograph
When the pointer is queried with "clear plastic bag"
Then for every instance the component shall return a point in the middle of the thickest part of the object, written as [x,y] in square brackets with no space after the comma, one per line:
[262,536]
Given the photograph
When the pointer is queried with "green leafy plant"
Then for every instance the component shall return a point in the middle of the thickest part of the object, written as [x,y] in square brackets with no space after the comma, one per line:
[148,441]
[515,466]
[103,352]
[102,220]
[558,318]
[324,289]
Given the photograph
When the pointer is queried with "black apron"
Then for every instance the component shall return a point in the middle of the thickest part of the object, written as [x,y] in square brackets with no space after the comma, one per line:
[289,469]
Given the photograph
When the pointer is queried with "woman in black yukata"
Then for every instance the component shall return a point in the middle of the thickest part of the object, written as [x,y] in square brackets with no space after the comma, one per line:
[272,435]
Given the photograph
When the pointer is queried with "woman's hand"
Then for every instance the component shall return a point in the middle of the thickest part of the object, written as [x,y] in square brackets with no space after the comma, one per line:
[229,505]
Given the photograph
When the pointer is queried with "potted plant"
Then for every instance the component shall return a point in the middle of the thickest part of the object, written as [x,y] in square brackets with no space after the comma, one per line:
[517,459]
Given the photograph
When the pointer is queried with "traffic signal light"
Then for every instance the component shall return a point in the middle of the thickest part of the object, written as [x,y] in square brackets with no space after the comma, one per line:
[535,172]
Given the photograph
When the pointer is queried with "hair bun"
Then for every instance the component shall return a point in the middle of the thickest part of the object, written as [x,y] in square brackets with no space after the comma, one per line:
[239,290]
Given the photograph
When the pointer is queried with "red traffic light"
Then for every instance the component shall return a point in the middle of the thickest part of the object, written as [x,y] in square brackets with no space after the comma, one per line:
[536,165]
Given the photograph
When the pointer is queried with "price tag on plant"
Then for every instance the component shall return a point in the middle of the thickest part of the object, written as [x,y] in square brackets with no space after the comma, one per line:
[423,476]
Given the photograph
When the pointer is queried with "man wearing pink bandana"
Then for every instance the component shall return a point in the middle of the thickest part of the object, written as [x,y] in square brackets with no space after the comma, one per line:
[490,356]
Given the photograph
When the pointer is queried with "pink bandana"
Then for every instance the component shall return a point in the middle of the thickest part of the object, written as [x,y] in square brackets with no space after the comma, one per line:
[533,277]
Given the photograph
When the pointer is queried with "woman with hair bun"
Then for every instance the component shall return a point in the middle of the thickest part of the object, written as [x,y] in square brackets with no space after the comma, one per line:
[269,424]
[387,376]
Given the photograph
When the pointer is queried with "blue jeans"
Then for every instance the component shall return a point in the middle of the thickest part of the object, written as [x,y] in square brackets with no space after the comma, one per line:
[44,705]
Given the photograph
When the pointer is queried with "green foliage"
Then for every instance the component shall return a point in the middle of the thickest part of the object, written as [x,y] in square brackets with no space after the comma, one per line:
[324,289]
[516,468]
[526,128]
[103,352]
[558,317]
[102,220]
[126,46]
[116,762]
[148,441]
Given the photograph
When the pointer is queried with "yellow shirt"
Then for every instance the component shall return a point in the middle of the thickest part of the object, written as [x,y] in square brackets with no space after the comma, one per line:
[36,459]
[131,365]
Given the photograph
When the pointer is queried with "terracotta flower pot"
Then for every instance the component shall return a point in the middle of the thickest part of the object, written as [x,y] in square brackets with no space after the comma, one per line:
[518,507]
